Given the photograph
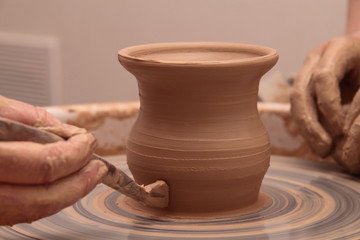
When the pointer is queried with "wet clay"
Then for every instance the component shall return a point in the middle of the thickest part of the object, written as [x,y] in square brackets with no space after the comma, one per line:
[198,127]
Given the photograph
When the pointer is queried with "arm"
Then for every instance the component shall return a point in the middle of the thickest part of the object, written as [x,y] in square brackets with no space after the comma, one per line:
[353,18]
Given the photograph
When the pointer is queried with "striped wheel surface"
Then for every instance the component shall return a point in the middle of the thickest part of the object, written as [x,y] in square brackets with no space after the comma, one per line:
[307,200]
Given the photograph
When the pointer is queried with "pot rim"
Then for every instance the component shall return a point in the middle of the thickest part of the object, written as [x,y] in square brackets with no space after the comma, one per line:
[139,53]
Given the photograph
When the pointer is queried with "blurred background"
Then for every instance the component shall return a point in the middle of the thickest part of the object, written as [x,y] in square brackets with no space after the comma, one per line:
[65,51]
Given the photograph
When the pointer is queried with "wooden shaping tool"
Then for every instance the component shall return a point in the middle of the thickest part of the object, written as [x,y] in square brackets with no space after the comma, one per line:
[153,195]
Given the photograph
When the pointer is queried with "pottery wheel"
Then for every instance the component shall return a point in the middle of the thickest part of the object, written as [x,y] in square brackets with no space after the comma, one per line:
[308,201]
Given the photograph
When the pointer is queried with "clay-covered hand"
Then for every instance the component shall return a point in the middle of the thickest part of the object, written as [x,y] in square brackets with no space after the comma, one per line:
[37,180]
[328,80]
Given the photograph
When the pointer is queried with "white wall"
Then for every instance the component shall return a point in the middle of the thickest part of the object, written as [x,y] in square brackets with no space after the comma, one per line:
[92,31]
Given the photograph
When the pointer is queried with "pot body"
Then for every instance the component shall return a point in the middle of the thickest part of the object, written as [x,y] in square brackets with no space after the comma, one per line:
[198,128]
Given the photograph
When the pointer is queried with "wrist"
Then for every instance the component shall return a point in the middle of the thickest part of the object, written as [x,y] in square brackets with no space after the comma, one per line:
[355,34]
[353,18]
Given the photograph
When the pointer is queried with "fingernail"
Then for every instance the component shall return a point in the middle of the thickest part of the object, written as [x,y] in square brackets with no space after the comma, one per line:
[92,139]
[87,138]
[93,174]
[102,171]
[73,130]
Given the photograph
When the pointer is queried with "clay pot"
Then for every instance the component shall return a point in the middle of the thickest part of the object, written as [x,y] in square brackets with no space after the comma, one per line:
[198,127]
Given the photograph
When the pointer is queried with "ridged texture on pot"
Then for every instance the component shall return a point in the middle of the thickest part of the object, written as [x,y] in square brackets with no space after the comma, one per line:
[198,127]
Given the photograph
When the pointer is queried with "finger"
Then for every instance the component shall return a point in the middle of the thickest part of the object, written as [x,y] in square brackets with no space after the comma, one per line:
[341,56]
[26,113]
[26,203]
[328,99]
[304,111]
[350,156]
[338,151]
[352,112]
[64,130]
[35,116]
[33,163]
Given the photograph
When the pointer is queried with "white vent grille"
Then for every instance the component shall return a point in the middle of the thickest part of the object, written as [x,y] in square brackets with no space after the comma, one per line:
[29,69]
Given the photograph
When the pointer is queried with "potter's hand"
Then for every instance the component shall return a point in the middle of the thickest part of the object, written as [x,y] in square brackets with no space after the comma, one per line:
[328,79]
[37,180]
